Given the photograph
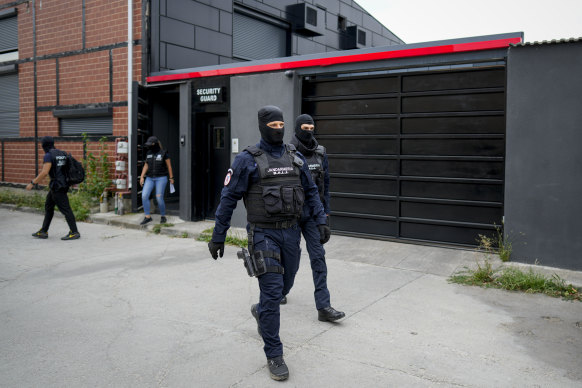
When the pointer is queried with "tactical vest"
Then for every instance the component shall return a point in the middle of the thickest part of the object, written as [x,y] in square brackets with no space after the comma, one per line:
[278,196]
[156,164]
[315,163]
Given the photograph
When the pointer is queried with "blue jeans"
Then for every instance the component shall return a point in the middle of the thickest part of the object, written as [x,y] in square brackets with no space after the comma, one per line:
[160,183]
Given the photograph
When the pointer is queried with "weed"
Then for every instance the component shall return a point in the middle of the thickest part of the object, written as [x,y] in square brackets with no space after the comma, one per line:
[231,238]
[514,279]
[483,275]
[500,244]
[158,227]
[184,235]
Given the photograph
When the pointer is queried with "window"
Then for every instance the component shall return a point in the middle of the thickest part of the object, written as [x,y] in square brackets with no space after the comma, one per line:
[362,37]
[341,23]
[8,35]
[257,38]
[218,138]
[9,105]
[9,95]
[311,16]
[76,126]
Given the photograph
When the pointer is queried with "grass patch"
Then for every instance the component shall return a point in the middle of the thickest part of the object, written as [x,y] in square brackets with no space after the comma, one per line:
[80,202]
[514,279]
[158,227]
[231,239]
[34,200]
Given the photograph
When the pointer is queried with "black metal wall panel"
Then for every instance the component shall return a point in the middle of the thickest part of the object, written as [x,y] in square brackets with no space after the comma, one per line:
[415,155]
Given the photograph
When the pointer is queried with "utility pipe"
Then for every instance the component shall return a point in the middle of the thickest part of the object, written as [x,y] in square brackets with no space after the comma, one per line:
[129,90]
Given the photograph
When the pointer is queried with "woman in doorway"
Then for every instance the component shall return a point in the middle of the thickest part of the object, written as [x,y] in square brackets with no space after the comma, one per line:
[156,170]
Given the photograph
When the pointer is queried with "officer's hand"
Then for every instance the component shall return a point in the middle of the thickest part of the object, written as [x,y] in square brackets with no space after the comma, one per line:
[214,248]
[324,233]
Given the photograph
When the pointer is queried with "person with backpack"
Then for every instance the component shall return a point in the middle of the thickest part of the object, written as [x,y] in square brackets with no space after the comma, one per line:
[155,173]
[55,166]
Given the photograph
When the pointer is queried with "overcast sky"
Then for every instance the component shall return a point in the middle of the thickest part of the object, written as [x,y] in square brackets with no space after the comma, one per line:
[427,20]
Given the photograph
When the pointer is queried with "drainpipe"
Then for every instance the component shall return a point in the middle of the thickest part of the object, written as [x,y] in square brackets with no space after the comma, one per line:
[129,88]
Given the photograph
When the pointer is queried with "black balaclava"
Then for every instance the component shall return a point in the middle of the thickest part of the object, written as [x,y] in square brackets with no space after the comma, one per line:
[266,115]
[306,137]
[152,144]
[47,143]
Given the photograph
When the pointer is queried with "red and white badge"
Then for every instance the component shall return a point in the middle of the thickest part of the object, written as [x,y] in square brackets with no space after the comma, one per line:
[228,176]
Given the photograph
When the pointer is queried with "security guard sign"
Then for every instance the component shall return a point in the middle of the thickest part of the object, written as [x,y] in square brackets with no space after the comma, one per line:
[209,95]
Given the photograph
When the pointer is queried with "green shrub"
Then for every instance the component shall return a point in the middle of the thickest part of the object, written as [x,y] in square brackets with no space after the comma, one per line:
[81,203]
[97,169]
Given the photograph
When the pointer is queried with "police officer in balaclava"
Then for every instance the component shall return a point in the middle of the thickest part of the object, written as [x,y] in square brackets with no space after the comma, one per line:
[275,183]
[54,164]
[316,158]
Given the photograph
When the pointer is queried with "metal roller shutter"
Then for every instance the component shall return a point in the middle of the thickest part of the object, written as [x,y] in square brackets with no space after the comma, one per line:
[9,106]
[8,34]
[416,156]
[256,39]
[89,125]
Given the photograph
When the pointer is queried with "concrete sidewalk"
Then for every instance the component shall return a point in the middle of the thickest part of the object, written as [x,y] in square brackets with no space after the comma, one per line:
[125,307]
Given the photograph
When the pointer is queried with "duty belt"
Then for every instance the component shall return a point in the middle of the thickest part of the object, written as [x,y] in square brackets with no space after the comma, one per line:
[276,225]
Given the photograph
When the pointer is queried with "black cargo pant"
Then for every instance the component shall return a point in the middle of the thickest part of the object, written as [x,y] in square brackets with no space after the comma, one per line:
[60,199]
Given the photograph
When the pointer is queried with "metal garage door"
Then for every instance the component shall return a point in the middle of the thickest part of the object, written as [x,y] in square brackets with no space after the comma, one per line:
[416,156]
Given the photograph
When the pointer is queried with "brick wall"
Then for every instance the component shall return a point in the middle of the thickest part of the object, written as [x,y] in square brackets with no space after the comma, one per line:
[76,65]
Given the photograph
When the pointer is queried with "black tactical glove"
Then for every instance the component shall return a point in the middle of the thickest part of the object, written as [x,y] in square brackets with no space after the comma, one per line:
[324,233]
[214,248]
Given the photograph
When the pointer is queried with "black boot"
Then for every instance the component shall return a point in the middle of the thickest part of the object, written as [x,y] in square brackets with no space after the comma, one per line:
[284,300]
[329,314]
[278,368]
[256,315]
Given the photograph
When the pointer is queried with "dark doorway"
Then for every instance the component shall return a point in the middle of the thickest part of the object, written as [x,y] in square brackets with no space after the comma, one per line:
[212,158]
[165,109]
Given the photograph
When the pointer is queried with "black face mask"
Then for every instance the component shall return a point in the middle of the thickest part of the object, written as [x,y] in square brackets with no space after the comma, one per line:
[47,143]
[154,147]
[306,137]
[266,115]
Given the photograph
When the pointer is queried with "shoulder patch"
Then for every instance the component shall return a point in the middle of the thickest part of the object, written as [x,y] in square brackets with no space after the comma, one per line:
[228,176]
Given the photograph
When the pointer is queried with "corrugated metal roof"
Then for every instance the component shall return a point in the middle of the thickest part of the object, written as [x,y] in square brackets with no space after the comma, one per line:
[547,42]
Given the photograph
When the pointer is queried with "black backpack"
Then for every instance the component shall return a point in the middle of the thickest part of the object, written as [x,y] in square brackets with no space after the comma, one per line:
[75,173]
